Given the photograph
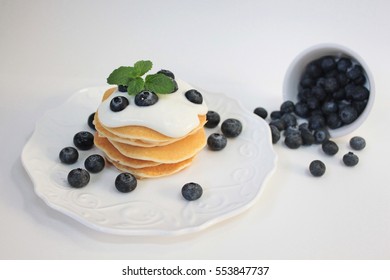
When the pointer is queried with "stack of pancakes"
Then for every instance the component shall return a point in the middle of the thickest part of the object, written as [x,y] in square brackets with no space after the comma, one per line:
[144,152]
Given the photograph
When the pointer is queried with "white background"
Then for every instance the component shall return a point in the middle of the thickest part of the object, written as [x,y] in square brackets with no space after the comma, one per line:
[50,49]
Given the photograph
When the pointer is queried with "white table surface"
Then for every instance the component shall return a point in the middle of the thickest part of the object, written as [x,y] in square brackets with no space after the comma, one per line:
[51,49]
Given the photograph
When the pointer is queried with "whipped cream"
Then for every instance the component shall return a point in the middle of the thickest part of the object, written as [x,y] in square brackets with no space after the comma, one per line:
[173,115]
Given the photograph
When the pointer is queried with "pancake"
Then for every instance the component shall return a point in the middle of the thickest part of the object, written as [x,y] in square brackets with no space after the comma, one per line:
[154,171]
[178,151]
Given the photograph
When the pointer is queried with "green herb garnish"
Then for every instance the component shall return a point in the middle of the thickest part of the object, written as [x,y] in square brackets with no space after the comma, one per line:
[131,76]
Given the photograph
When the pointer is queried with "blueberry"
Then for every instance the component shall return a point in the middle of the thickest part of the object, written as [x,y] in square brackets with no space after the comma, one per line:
[349,89]
[275,115]
[319,92]
[94,163]
[301,109]
[213,119]
[90,121]
[78,178]
[118,103]
[83,140]
[316,121]
[125,182]
[216,141]
[357,143]
[343,64]
[289,119]
[360,93]
[333,121]
[348,114]
[328,63]
[330,148]
[329,107]
[321,135]
[339,94]
[355,72]
[261,112]
[279,124]
[194,96]
[69,155]
[167,73]
[191,191]
[361,80]
[313,103]
[307,82]
[231,127]
[331,85]
[145,98]
[275,133]
[307,137]
[342,79]
[350,159]
[359,105]
[293,141]
[122,88]
[292,130]
[313,70]
[317,168]
[287,107]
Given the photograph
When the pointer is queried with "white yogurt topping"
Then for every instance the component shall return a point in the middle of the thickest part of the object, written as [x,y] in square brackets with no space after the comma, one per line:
[173,115]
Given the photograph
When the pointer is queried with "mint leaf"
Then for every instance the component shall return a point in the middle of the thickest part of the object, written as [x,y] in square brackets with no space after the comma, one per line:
[159,83]
[142,66]
[121,75]
[135,85]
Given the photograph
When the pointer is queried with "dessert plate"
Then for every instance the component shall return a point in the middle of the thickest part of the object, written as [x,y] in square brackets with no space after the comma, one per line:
[232,179]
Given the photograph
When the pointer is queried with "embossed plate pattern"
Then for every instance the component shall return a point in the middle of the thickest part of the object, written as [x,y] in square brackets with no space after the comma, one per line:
[232,179]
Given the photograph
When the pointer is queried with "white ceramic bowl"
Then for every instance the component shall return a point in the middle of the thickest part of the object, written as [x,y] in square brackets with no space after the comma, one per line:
[296,68]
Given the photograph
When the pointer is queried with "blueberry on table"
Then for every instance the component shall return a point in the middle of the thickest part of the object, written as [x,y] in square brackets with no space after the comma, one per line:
[145,98]
[350,159]
[83,140]
[191,191]
[194,96]
[69,155]
[78,178]
[293,141]
[317,168]
[125,182]
[357,143]
[330,148]
[231,128]
[216,141]
[261,112]
[118,103]
[94,163]
[213,119]
[90,121]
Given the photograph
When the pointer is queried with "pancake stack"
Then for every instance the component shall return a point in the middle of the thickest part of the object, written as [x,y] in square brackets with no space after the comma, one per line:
[144,152]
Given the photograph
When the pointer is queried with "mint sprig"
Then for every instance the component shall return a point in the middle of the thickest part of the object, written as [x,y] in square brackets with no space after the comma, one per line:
[131,76]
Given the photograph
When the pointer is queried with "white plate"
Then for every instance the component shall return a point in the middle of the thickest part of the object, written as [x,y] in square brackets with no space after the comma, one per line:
[232,179]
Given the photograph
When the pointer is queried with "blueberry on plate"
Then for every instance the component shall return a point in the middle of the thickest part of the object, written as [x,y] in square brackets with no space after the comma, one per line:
[231,128]
[145,98]
[83,140]
[213,119]
[191,191]
[90,121]
[261,112]
[69,155]
[216,141]
[94,163]
[194,96]
[78,178]
[317,168]
[357,143]
[167,73]
[125,182]
[118,103]
[350,159]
